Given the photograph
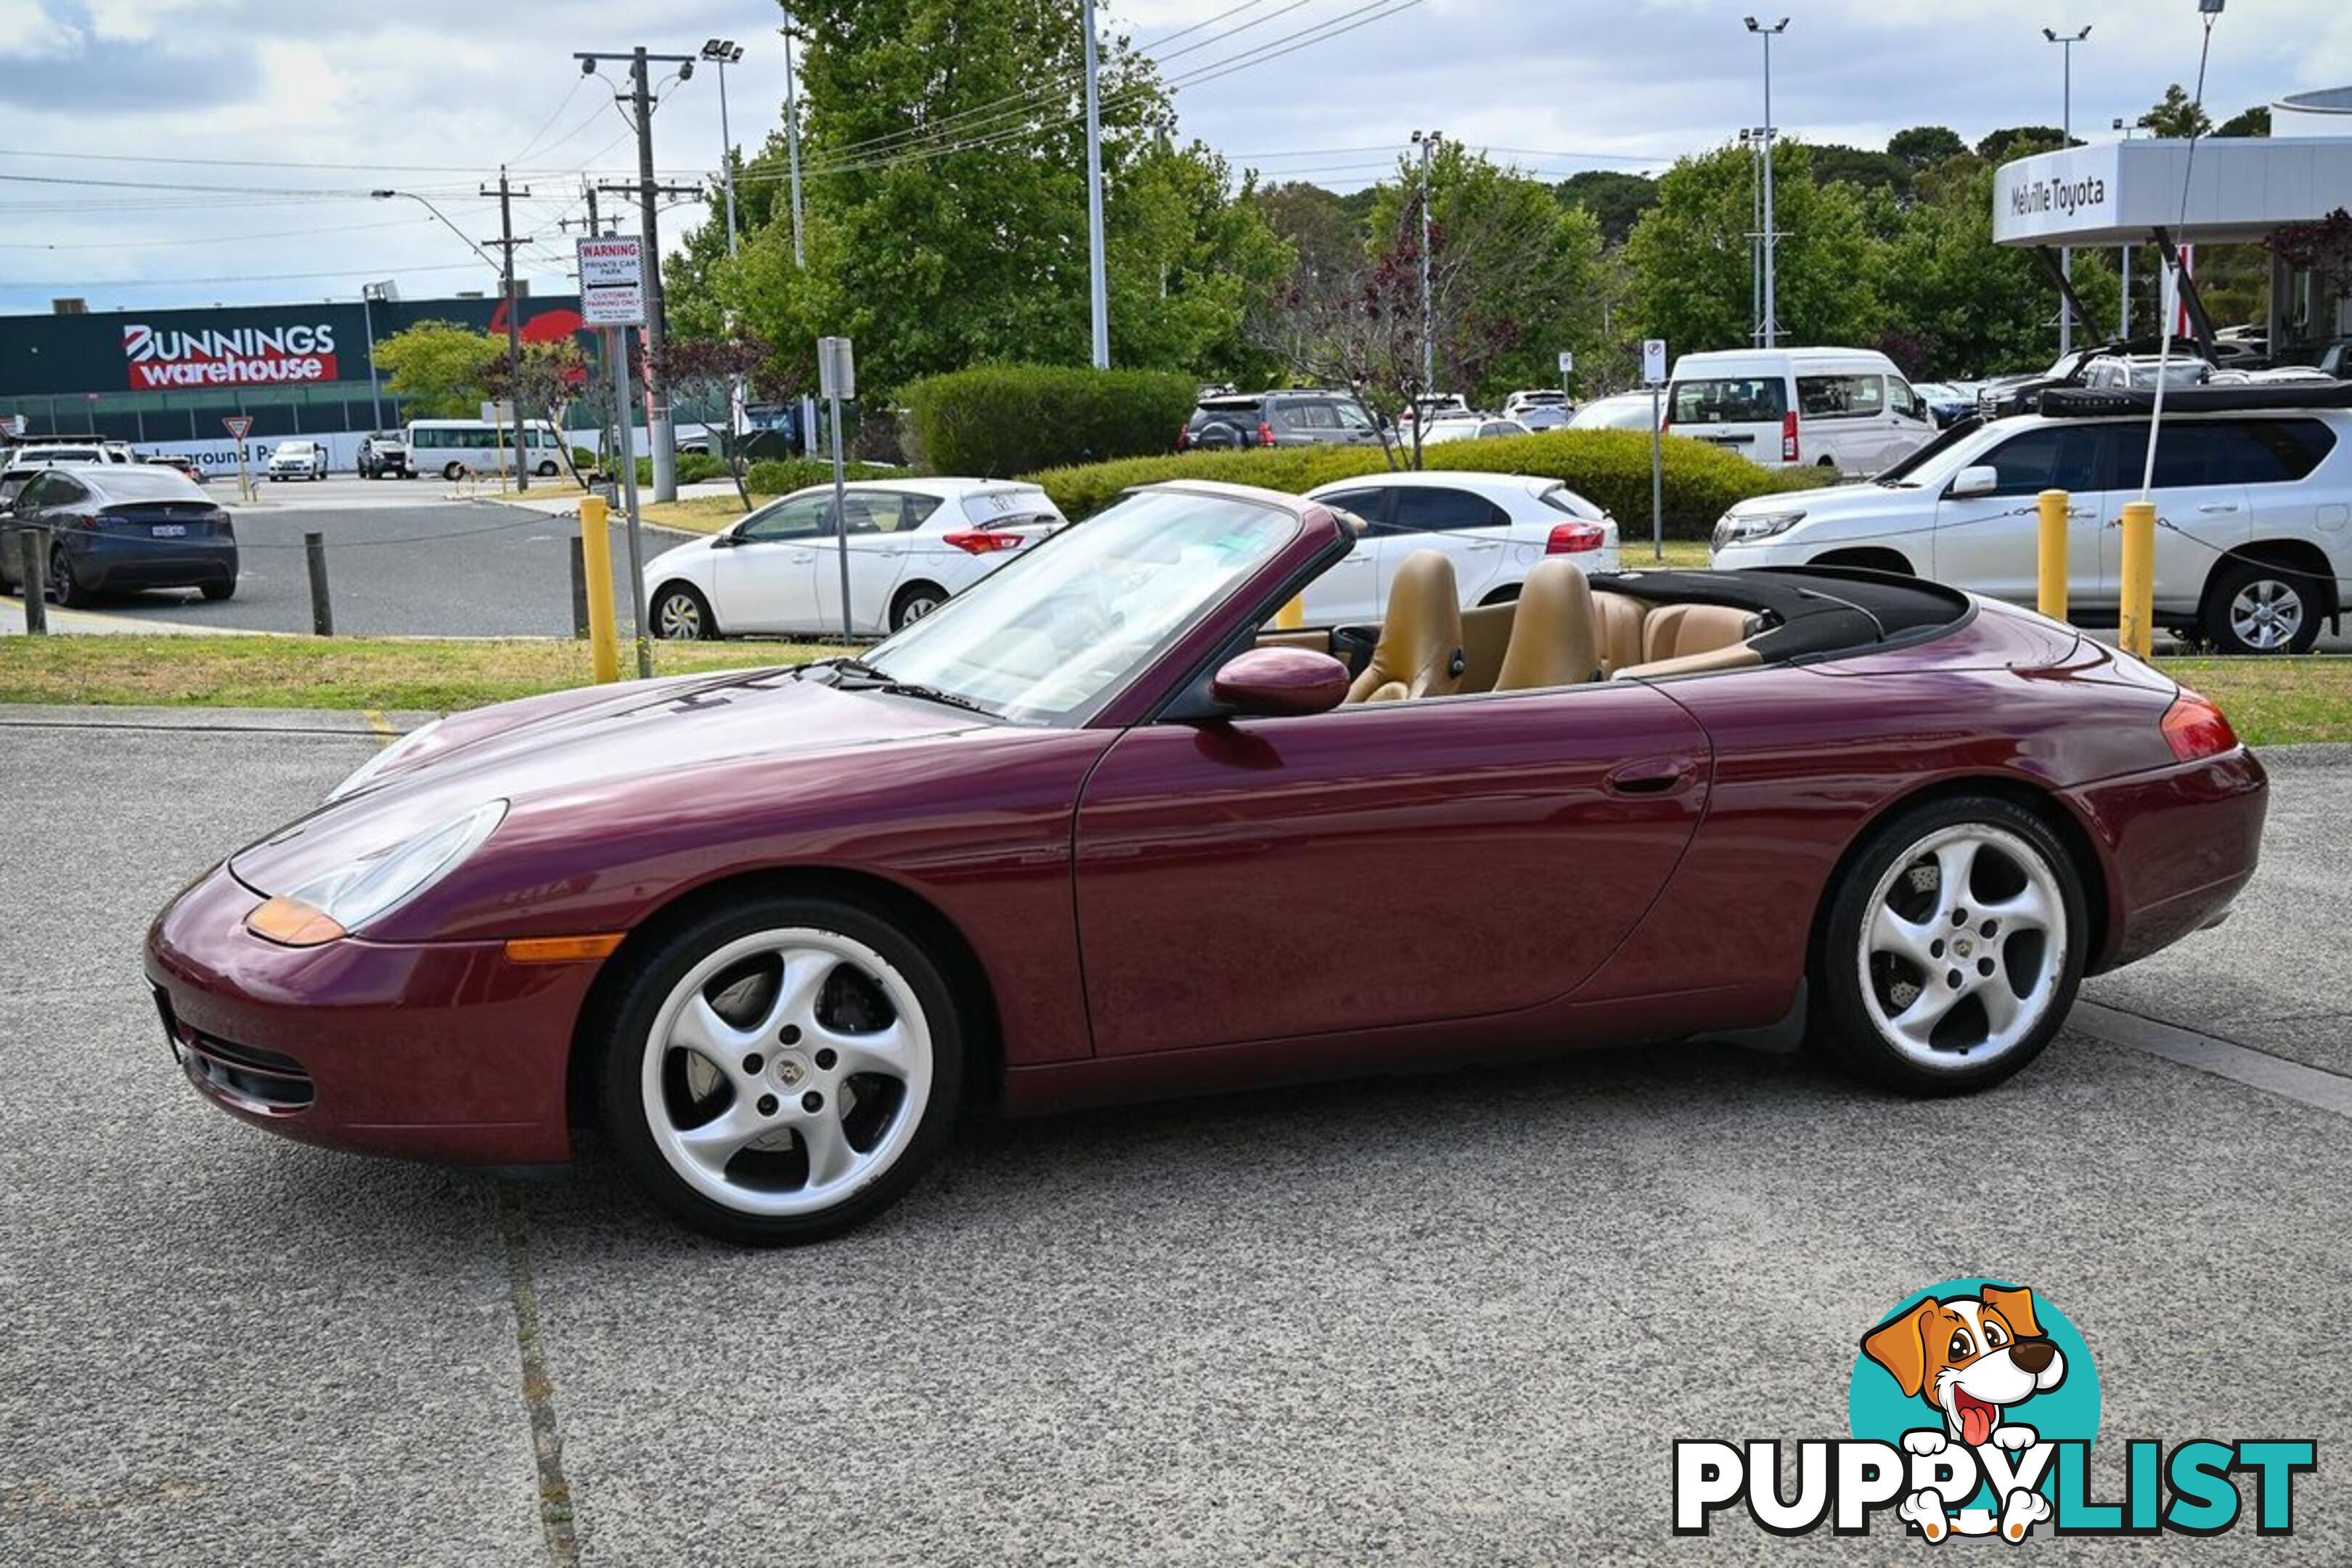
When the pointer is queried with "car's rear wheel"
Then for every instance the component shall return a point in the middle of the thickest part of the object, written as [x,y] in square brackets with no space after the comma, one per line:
[2253,607]
[682,615]
[63,587]
[915,601]
[781,1069]
[1952,949]
[217,592]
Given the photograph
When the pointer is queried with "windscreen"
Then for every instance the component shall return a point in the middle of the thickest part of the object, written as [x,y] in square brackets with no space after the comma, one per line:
[1729,400]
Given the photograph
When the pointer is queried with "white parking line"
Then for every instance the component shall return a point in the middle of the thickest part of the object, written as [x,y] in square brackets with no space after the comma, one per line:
[2224,1059]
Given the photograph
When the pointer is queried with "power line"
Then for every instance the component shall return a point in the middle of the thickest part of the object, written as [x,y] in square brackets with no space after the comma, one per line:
[174,244]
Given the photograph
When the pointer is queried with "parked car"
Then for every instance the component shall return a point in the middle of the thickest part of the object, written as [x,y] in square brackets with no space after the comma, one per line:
[384,454]
[1279,420]
[23,462]
[1520,404]
[117,528]
[1438,405]
[298,460]
[1545,417]
[1495,528]
[180,463]
[913,544]
[1846,409]
[1096,831]
[1946,402]
[1475,428]
[1619,411]
[2140,373]
[2252,554]
[2022,393]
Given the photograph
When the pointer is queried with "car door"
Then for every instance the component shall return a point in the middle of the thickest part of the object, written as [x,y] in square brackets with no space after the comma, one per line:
[1380,864]
[1910,423]
[766,580]
[1461,524]
[877,545]
[31,488]
[1350,593]
[2203,504]
[1991,543]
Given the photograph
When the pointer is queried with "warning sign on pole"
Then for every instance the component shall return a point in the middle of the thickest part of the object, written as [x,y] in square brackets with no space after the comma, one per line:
[611,281]
[238,423]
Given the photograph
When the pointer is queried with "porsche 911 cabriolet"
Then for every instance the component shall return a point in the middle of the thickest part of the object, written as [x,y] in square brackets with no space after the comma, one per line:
[1107,828]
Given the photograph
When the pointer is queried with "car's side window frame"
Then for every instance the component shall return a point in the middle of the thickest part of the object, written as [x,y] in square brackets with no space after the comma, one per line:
[748,532]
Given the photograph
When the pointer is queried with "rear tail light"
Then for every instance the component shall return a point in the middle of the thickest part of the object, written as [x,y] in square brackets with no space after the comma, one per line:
[2195,729]
[1788,436]
[981,542]
[1264,434]
[1575,538]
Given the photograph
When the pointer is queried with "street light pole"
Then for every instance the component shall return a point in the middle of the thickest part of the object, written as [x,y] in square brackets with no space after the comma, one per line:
[800,255]
[722,53]
[2066,42]
[1099,286]
[1427,142]
[2123,326]
[369,294]
[1772,241]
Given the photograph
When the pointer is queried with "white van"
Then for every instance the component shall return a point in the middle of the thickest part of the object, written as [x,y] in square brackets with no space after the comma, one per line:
[1847,410]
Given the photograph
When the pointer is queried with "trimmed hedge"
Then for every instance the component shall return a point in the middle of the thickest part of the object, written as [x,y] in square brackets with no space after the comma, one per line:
[1610,467]
[997,421]
[781,476]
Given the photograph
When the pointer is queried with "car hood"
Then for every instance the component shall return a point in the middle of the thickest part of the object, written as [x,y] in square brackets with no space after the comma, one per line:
[555,757]
[1831,500]
[678,558]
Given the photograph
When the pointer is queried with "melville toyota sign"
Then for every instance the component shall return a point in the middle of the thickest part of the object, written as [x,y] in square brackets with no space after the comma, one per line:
[162,358]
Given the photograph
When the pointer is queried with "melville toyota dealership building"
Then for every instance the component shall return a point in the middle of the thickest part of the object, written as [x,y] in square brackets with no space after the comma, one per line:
[165,380]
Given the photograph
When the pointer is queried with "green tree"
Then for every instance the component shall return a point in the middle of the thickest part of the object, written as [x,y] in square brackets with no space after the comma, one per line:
[1692,269]
[440,369]
[2176,115]
[1860,167]
[1616,200]
[2020,142]
[1324,240]
[2254,121]
[1925,146]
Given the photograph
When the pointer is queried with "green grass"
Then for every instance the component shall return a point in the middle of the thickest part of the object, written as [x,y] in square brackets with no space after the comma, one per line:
[698,514]
[2275,702]
[440,674]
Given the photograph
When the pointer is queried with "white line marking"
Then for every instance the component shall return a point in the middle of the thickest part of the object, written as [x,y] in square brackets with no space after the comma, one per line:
[2310,1086]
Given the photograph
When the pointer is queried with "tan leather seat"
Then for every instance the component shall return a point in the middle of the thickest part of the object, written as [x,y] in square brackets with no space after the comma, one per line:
[1621,618]
[1678,631]
[1556,634]
[1420,650]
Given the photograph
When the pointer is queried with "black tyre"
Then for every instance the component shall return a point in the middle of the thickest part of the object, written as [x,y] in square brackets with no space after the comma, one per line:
[453,472]
[217,592]
[2253,607]
[680,613]
[63,587]
[915,601]
[1950,953]
[546,470]
[780,1070]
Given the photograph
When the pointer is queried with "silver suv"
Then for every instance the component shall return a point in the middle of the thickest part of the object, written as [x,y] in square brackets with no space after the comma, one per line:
[1229,420]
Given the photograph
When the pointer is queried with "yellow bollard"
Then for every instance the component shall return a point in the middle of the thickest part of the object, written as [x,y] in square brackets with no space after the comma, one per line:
[1292,616]
[596,555]
[2055,504]
[2136,632]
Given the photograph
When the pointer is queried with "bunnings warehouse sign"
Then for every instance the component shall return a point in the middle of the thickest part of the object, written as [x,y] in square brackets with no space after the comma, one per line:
[236,356]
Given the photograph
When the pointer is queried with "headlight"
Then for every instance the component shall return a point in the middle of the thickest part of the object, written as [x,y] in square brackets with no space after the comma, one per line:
[357,892]
[1744,528]
[367,771]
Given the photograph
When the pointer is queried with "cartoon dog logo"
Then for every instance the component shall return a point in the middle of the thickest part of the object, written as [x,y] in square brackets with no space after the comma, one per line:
[1973,1359]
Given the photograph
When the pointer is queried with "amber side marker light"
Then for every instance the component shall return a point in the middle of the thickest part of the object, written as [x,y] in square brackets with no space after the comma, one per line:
[290,922]
[2195,729]
[562,949]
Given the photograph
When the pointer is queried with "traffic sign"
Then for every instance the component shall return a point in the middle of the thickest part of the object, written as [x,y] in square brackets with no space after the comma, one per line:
[238,423]
[613,281]
[1566,363]
[1654,360]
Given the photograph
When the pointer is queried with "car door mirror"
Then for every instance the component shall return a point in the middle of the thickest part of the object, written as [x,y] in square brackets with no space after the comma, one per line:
[1980,481]
[1280,682]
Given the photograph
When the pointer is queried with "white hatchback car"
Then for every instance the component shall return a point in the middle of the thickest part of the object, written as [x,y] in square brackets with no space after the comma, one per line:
[1493,526]
[912,545]
[2253,544]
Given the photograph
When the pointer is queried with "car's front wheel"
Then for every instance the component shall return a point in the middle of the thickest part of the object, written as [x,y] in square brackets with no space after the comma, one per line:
[1951,950]
[2253,607]
[781,1069]
[64,587]
[682,615]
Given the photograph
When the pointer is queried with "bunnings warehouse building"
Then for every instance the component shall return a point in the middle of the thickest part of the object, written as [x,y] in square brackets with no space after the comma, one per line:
[165,380]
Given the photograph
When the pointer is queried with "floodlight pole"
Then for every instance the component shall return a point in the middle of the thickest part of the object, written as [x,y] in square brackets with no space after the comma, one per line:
[1771,240]
[2066,42]
[1099,286]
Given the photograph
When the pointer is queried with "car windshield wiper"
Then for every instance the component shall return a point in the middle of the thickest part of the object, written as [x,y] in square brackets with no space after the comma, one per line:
[881,680]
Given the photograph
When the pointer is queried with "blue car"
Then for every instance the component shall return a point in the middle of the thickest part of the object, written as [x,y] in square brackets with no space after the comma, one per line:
[117,529]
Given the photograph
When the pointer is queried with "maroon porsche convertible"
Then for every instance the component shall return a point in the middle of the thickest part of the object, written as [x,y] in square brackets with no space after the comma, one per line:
[1100,829]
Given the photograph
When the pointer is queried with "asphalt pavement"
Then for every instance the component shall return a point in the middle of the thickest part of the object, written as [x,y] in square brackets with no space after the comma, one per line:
[1447,1320]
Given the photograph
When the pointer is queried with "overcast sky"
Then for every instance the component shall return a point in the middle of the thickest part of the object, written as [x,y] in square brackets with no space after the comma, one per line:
[430,95]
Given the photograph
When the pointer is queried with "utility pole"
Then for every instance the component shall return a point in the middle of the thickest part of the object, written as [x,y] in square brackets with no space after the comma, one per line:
[1772,241]
[649,191]
[1097,286]
[1428,313]
[506,242]
[2066,42]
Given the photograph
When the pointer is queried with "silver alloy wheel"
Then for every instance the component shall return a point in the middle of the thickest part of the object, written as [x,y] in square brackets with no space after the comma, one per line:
[913,609]
[2266,615]
[1964,946]
[786,1071]
[678,615]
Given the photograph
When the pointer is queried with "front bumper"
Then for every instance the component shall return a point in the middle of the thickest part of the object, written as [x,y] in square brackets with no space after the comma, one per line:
[442,1051]
[2178,846]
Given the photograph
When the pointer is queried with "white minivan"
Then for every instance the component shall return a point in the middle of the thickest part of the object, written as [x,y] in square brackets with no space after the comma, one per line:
[1846,409]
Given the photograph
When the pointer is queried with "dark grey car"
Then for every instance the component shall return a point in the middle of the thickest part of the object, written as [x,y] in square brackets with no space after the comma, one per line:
[120,528]
[1278,419]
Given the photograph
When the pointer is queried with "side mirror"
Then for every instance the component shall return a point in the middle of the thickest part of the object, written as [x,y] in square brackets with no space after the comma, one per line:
[1980,480]
[1280,682]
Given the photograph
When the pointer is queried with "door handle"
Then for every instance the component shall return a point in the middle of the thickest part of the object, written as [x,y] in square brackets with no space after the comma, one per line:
[1651,775]
[2218,506]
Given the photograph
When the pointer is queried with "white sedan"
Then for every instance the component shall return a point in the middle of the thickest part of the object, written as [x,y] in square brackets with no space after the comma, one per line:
[1493,526]
[912,545]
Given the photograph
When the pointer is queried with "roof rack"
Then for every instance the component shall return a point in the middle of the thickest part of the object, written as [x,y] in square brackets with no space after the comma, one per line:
[2081,402]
